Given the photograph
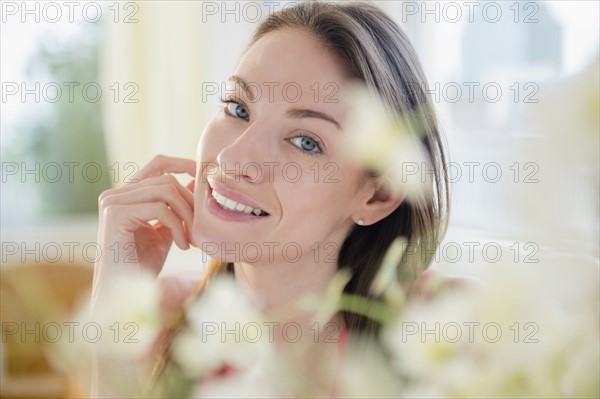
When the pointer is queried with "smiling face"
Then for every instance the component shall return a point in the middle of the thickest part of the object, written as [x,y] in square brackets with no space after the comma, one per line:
[272,181]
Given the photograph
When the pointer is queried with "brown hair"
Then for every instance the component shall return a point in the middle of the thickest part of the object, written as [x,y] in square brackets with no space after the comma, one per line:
[376,51]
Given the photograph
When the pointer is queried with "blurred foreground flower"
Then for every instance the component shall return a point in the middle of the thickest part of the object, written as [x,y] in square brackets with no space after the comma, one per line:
[124,323]
[224,331]
[533,332]
[381,141]
[326,306]
[229,349]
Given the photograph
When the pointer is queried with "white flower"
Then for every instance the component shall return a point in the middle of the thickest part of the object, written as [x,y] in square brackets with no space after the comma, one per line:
[327,305]
[123,325]
[224,328]
[128,312]
[377,139]
[521,336]
[365,372]
[386,280]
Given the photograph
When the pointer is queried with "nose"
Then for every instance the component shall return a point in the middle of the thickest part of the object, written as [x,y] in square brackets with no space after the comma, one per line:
[250,156]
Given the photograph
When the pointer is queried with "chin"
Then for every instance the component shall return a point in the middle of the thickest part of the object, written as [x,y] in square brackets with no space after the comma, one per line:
[212,242]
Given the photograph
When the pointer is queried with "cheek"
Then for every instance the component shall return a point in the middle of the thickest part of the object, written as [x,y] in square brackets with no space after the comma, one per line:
[328,197]
[206,154]
[203,158]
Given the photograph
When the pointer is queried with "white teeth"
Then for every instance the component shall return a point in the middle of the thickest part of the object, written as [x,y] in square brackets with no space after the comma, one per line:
[233,205]
[217,196]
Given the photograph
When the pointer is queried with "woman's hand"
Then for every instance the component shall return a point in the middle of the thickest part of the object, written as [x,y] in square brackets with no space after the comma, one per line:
[138,224]
[126,234]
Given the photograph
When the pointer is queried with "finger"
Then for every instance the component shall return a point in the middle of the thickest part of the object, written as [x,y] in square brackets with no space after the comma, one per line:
[170,179]
[166,193]
[162,164]
[120,219]
[191,185]
[141,213]
[153,181]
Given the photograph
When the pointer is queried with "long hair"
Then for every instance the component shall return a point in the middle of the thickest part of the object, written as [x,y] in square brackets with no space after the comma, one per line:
[376,51]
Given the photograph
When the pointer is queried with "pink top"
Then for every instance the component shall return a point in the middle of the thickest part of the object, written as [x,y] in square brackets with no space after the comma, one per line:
[342,339]
[342,346]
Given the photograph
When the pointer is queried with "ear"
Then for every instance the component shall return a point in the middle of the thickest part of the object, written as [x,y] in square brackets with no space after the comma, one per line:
[379,202]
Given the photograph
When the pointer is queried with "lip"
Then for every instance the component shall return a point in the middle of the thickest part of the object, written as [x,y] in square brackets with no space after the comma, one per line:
[225,214]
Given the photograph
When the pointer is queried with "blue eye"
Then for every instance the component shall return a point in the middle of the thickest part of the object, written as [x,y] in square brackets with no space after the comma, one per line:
[238,110]
[307,144]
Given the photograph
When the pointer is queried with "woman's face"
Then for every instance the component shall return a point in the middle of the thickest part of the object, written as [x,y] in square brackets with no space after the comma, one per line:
[276,151]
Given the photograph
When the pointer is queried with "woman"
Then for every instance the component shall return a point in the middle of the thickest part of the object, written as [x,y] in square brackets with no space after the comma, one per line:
[274,200]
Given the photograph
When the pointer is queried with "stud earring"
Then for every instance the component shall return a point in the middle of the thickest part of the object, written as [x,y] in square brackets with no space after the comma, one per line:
[360,222]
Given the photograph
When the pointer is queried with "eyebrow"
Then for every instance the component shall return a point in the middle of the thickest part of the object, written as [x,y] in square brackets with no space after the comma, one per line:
[296,113]
[309,113]
[242,83]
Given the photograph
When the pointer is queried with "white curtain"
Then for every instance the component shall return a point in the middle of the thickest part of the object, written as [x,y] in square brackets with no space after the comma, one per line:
[164,61]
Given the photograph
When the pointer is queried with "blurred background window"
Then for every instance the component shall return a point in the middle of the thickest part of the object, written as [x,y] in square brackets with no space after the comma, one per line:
[487,63]
[53,157]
